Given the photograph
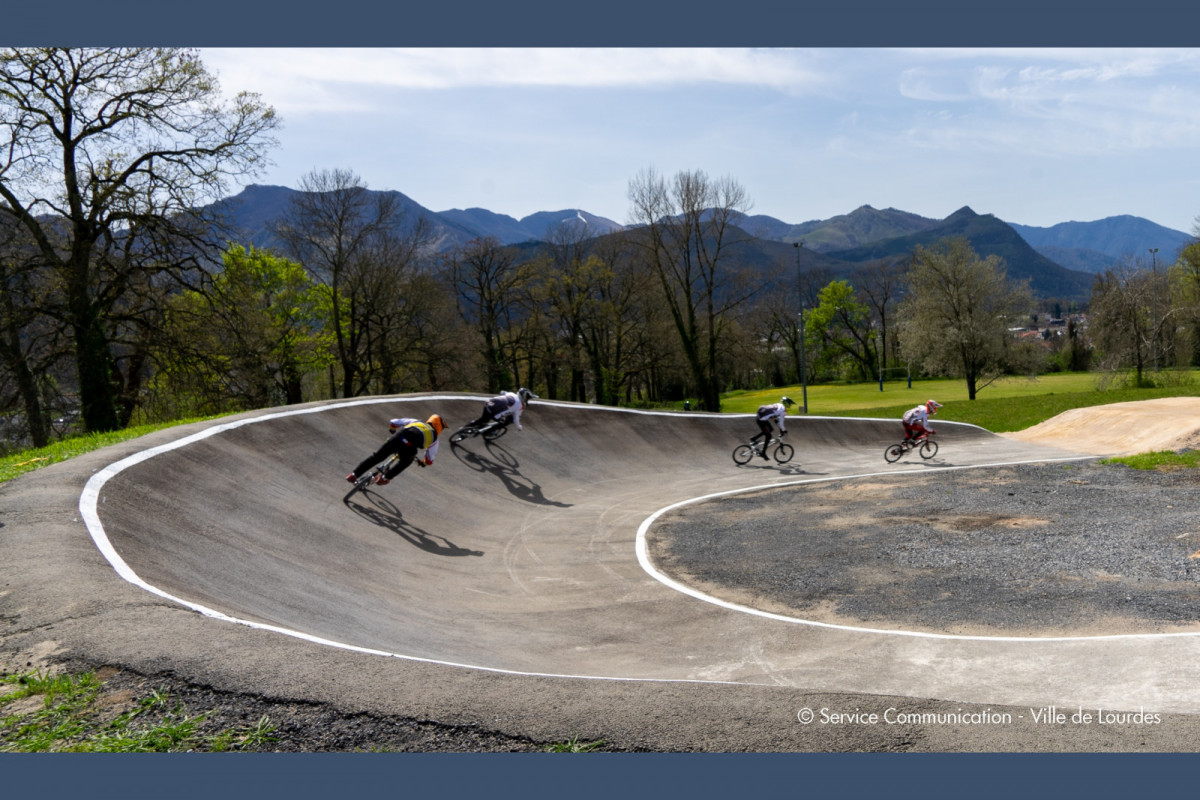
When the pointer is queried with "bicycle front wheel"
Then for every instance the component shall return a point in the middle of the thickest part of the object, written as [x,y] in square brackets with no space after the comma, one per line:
[784,453]
[928,449]
[742,454]
[893,453]
[360,485]
[495,433]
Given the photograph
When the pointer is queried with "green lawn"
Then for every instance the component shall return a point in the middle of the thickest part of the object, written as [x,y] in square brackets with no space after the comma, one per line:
[1010,404]
[26,460]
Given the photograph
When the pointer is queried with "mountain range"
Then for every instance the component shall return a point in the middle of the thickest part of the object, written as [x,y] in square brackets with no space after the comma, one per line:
[1059,261]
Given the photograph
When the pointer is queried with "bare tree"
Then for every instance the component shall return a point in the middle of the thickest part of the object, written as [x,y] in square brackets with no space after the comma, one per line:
[360,246]
[1121,319]
[106,155]
[487,285]
[29,341]
[957,312]
[880,285]
[686,228]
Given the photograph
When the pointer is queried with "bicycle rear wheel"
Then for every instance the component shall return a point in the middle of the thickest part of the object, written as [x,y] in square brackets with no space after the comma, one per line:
[928,449]
[742,454]
[495,433]
[893,453]
[784,453]
[463,433]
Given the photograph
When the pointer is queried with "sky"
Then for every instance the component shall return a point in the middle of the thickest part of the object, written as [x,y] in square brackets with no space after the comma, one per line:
[1033,136]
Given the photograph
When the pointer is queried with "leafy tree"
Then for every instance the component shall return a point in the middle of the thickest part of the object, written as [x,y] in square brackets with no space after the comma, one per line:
[249,339]
[956,314]
[1188,282]
[686,228]
[105,157]
[841,324]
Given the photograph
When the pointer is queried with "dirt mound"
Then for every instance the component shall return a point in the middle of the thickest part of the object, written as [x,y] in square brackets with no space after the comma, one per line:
[1169,423]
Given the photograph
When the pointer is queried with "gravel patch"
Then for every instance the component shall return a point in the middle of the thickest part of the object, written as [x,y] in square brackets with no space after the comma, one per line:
[1079,549]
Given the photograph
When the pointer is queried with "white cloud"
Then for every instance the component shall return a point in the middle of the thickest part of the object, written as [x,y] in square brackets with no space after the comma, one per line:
[342,79]
[519,130]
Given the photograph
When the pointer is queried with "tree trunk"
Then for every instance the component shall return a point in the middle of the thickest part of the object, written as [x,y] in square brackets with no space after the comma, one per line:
[35,416]
[93,358]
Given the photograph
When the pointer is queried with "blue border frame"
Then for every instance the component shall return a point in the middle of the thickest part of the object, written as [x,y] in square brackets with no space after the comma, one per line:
[758,23]
[553,23]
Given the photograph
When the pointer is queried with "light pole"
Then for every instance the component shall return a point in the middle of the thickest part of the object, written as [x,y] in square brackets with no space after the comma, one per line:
[1154,331]
[803,355]
[879,350]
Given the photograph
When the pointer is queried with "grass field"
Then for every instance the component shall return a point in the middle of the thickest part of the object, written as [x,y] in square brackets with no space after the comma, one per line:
[1010,404]
[34,458]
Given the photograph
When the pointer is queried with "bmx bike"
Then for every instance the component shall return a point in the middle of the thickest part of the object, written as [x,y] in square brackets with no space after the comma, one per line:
[490,432]
[782,454]
[377,471]
[925,447]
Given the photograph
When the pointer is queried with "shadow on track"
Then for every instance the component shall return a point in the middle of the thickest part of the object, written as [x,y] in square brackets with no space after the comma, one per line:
[384,513]
[504,465]
[782,469]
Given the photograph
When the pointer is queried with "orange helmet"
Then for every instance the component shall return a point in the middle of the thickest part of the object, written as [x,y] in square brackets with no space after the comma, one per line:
[933,406]
[436,423]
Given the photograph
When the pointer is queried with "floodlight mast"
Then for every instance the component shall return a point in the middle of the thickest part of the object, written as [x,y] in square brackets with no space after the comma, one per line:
[803,355]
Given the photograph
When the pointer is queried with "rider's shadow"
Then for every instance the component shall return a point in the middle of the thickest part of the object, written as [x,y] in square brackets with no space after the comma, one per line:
[504,465]
[794,469]
[782,469]
[384,514]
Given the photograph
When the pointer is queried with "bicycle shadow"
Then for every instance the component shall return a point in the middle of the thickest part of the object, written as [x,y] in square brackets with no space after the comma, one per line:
[782,469]
[379,511]
[504,465]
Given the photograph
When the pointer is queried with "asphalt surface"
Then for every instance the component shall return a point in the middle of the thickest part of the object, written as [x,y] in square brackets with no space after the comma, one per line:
[611,574]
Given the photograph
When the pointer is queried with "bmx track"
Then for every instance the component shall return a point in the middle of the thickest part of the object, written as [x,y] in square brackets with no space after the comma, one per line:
[515,586]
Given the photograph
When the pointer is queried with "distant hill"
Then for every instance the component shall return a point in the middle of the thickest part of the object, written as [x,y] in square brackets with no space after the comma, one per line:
[1119,240]
[860,227]
[988,236]
[533,228]
[254,211]
[1081,259]
[765,227]
[540,224]
[256,208]
[1059,261]
[486,223]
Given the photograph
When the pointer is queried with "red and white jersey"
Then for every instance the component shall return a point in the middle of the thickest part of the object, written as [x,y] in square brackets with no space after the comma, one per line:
[917,416]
